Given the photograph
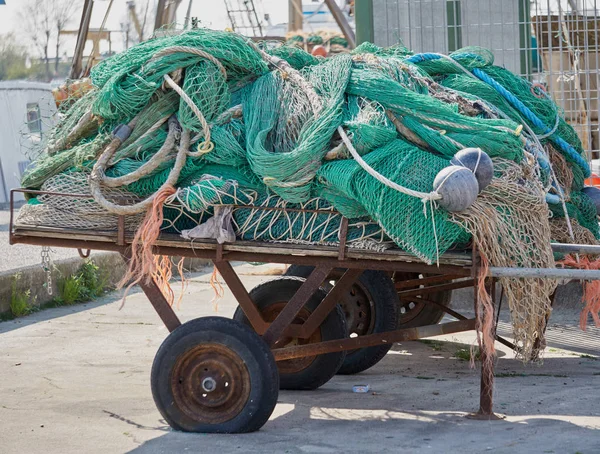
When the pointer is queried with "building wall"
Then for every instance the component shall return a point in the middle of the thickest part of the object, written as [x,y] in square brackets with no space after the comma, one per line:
[15,138]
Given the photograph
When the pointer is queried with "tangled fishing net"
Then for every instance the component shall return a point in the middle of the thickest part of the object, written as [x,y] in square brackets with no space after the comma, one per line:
[208,135]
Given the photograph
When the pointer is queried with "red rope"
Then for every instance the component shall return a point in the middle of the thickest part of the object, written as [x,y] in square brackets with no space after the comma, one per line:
[591,289]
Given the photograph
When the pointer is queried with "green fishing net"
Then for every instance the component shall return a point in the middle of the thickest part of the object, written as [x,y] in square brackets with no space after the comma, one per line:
[274,139]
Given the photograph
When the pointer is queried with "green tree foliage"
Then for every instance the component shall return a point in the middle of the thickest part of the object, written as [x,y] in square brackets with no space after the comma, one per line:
[13,58]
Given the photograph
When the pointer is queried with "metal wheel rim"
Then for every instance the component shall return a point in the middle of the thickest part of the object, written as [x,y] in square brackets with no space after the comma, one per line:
[408,310]
[358,306]
[205,364]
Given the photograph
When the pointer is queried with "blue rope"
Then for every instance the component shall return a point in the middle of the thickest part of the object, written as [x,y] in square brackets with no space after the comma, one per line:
[417,58]
[517,104]
[533,118]
[552,199]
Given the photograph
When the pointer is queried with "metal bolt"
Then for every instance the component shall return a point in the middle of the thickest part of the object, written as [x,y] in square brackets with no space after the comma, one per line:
[209,384]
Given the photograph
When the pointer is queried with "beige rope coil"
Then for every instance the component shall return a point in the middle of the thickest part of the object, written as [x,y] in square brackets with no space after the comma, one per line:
[190,50]
[97,177]
[149,166]
[152,129]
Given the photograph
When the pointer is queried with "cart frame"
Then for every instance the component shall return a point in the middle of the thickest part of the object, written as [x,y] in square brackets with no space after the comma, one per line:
[455,270]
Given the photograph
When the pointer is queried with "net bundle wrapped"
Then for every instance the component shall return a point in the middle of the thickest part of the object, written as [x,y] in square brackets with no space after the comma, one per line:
[281,144]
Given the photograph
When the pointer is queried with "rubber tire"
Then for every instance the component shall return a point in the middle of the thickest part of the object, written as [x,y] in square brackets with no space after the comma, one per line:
[430,314]
[382,293]
[244,342]
[325,366]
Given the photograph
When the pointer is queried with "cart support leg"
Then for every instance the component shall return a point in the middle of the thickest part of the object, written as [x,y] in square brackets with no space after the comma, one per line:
[291,309]
[159,302]
[486,392]
[241,295]
[161,305]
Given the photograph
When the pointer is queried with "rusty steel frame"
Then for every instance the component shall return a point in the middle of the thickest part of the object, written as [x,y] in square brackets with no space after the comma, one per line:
[443,307]
[426,290]
[429,280]
[292,308]
[370,340]
[441,279]
[267,257]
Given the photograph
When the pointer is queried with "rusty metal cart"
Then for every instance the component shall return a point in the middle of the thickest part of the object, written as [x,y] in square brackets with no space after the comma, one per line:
[214,374]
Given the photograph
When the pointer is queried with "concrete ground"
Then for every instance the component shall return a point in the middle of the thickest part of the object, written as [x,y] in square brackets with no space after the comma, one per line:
[76,379]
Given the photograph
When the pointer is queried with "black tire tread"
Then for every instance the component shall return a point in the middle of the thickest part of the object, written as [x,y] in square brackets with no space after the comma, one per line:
[385,298]
[257,411]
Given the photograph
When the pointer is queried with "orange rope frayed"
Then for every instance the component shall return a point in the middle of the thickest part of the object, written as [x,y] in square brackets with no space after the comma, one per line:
[591,289]
[184,281]
[217,288]
[162,276]
[484,324]
[142,264]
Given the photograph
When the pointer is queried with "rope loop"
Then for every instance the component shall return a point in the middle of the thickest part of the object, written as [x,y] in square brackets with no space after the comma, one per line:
[424,196]
[202,148]
[271,181]
[190,50]
[539,87]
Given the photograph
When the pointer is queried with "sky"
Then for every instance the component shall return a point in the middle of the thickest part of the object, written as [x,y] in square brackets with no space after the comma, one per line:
[211,13]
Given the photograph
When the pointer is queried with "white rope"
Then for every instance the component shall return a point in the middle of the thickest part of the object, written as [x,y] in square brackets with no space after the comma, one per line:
[479,153]
[424,196]
[207,145]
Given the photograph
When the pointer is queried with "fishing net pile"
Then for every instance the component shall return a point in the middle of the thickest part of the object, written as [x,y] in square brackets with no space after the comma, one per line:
[207,134]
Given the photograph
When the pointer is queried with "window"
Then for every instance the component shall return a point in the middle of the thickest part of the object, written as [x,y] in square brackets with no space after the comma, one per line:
[34,118]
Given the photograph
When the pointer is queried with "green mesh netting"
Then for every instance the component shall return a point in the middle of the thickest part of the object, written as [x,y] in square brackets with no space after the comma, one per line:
[296,57]
[128,80]
[415,226]
[471,70]
[367,124]
[209,92]
[288,155]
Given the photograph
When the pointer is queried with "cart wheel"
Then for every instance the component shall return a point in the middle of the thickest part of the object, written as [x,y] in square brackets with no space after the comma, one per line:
[413,315]
[370,306]
[214,375]
[312,371]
